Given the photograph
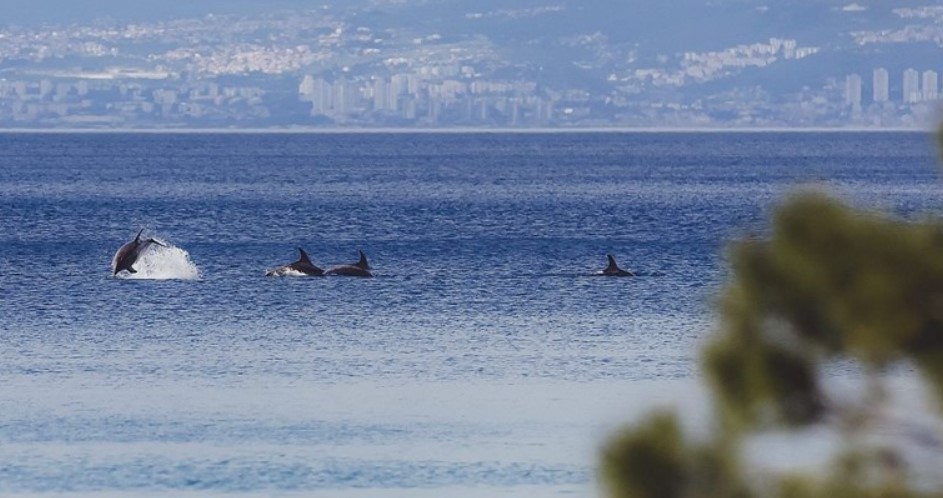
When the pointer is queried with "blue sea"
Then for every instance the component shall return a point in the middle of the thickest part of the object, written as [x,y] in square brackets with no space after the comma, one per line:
[486,357]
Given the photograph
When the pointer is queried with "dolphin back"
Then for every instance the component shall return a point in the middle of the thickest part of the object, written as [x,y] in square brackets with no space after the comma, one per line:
[613,268]
[303,257]
[303,266]
[359,269]
[362,264]
[612,263]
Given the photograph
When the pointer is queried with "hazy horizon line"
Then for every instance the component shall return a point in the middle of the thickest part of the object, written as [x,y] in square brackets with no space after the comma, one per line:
[462,130]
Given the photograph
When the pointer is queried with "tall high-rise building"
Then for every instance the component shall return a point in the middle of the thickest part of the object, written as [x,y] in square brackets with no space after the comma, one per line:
[348,97]
[911,88]
[399,84]
[381,95]
[306,88]
[882,91]
[931,85]
[322,97]
[853,90]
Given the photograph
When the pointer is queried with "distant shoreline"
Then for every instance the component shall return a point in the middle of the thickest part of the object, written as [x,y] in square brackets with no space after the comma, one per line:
[443,131]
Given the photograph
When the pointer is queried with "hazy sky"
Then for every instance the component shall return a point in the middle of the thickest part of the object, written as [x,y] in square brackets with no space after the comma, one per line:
[64,11]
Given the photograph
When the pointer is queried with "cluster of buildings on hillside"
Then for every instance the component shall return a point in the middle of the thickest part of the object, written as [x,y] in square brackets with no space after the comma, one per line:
[699,67]
[703,66]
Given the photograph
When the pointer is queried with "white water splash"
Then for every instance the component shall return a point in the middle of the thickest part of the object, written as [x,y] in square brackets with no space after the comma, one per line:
[285,272]
[163,263]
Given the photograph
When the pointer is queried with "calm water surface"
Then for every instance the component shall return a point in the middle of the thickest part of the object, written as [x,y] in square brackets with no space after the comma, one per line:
[484,358]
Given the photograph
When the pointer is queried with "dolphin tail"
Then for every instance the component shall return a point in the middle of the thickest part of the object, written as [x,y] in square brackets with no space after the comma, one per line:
[155,241]
[362,264]
[304,257]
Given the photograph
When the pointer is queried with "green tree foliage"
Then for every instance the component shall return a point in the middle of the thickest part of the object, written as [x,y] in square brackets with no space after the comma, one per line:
[831,283]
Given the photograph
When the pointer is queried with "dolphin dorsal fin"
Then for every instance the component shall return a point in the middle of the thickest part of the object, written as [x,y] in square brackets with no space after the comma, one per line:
[137,238]
[363,262]
[304,256]
[612,263]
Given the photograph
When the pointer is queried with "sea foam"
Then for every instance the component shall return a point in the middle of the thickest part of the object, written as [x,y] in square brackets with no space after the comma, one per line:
[164,263]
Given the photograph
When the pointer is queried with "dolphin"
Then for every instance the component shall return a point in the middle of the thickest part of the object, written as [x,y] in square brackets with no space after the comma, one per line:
[358,269]
[129,253]
[303,266]
[613,269]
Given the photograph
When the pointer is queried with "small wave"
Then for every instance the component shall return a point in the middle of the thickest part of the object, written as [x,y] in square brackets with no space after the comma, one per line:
[163,263]
[285,272]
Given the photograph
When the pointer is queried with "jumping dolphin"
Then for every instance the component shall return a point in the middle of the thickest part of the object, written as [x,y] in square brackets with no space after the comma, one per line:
[358,269]
[303,266]
[613,269]
[129,253]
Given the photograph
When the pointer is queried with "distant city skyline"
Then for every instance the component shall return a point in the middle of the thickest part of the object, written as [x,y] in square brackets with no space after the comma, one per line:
[446,63]
[916,86]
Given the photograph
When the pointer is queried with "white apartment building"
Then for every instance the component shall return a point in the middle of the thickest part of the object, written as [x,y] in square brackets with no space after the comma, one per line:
[911,89]
[881,87]
[931,85]
[853,91]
